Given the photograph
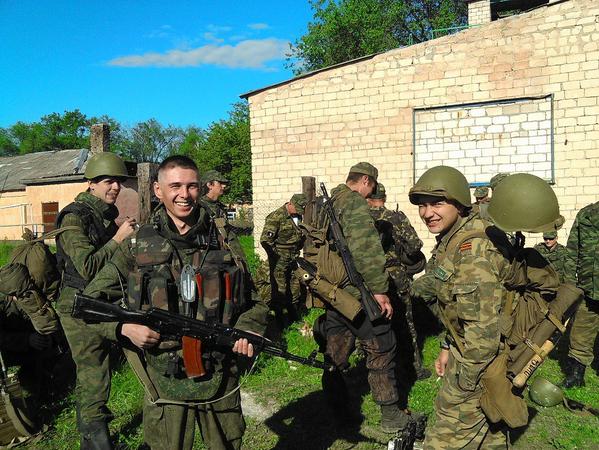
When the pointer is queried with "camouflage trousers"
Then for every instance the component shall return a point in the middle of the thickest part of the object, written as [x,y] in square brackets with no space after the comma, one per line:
[380,351]
[285,286]
[459,421]
[584,332]
[90,350]
[172,427]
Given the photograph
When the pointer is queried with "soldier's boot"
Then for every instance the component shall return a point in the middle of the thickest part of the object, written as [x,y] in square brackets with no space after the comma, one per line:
[95,436]
[574,374]
[393,418]
[422,373]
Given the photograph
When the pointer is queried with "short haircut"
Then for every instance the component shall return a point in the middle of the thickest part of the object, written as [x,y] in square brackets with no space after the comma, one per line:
[177,161]
[354,177]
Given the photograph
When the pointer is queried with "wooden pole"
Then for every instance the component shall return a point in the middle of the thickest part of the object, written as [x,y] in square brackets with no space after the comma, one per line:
[146,175]
[309,190]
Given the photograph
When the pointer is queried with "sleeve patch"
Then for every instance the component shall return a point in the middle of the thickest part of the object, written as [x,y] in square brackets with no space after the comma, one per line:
[466,246]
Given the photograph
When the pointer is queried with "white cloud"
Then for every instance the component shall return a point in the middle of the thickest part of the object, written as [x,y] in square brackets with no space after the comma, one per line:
[258,26]
[245,54]
[210,36]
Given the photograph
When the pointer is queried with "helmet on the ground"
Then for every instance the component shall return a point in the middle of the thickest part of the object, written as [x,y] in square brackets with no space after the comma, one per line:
[105,165]
[442,181]
[525,202]
[545,393]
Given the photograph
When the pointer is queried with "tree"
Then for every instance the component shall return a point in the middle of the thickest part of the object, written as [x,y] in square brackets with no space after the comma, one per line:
[347,29]
[225,147]
[152,142]
[7,143]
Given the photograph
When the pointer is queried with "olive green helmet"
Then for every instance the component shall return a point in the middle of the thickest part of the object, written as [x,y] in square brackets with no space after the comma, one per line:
[525,202]
[545,393]
[442,181]
[105,165]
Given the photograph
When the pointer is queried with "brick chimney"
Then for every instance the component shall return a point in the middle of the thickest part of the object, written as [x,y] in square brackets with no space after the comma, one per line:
[99,138]
[479,12]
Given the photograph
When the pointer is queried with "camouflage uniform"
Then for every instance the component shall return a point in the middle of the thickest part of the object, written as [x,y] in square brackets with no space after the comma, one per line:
[469,295]
[582,269]
[380,346]
[404,259]
[172,425]
[89,343]
[556,256]
[282,240]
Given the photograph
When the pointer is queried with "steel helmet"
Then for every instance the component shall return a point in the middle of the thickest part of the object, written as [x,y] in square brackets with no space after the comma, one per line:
[545,393]
[525,202]
[442,181]
[105,164]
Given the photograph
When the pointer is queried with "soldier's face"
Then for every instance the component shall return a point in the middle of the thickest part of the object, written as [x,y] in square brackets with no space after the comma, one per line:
[438,216]
[365,186]
[550,243]
[178,188]
[216,189]
[106,189]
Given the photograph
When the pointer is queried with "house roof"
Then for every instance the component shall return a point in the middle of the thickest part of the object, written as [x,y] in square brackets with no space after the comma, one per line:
[16,172]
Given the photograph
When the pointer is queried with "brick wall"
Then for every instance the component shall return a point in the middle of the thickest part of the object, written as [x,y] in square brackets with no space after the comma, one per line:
[479,12]
[323,123]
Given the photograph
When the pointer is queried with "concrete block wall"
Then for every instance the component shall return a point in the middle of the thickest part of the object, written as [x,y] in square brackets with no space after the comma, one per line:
[479,12]
[323,123]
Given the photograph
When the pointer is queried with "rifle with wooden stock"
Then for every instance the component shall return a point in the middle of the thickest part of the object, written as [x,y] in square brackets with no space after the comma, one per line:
[172,326]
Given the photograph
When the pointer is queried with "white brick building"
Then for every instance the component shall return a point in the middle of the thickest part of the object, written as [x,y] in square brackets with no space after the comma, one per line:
[517,94]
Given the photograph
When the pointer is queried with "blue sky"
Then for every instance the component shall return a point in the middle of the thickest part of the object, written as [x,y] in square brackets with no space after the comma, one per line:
[181,62]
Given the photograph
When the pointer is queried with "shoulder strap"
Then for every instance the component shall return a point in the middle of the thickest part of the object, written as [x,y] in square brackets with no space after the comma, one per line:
[52,234]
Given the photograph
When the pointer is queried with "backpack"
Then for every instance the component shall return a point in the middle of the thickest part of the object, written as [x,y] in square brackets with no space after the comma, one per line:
[41,263]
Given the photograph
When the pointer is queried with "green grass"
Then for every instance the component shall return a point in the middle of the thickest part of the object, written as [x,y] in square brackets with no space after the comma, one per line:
[5,250]
[301,418]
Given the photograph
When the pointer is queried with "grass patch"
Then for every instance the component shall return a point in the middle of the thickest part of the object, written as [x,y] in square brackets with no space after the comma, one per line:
[5,251]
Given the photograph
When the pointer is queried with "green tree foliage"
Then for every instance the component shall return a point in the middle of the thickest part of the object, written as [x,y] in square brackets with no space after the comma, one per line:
[150,141]
[225,146]
[343,30]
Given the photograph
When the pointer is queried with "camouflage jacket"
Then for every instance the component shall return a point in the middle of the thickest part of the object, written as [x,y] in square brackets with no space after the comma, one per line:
[400,243]
[123,270]
[556,256]
[582,265]
[281,235]
[470,294]
[362,238]
[216,207]
[87,258]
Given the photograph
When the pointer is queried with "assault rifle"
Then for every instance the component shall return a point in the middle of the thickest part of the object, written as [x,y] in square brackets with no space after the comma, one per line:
[355,278]
[173,326]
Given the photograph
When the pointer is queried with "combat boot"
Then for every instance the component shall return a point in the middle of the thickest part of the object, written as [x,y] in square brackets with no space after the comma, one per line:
[574,374]
[422,373]
[95,436]
[393,418]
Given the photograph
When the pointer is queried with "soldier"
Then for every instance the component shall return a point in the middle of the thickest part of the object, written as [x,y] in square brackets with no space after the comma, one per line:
[553,252]
[481,194]
[282,240]
[213,186]
[404,259]
[443,198]
[376,338]
[81,254]
[153,261]
[581,268]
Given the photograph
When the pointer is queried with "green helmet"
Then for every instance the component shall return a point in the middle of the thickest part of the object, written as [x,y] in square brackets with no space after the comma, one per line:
[379,192]
[525,202]
[498,178]
[442,181]
[545,393]
[105,165]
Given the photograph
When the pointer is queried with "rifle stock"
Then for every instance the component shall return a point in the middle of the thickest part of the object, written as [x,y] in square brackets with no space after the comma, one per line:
[355,278]
[174,326]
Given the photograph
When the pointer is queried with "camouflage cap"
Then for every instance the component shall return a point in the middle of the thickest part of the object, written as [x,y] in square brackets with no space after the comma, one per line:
[379,193]
[481,191]
[550,235]
[366,169]
[299,201]
[496,179]
[213,175]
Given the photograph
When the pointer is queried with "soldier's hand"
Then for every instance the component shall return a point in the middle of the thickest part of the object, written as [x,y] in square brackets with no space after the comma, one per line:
[243,347]
[125,230]
[39,342]
[441,362]
[384,304]
[141,336]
